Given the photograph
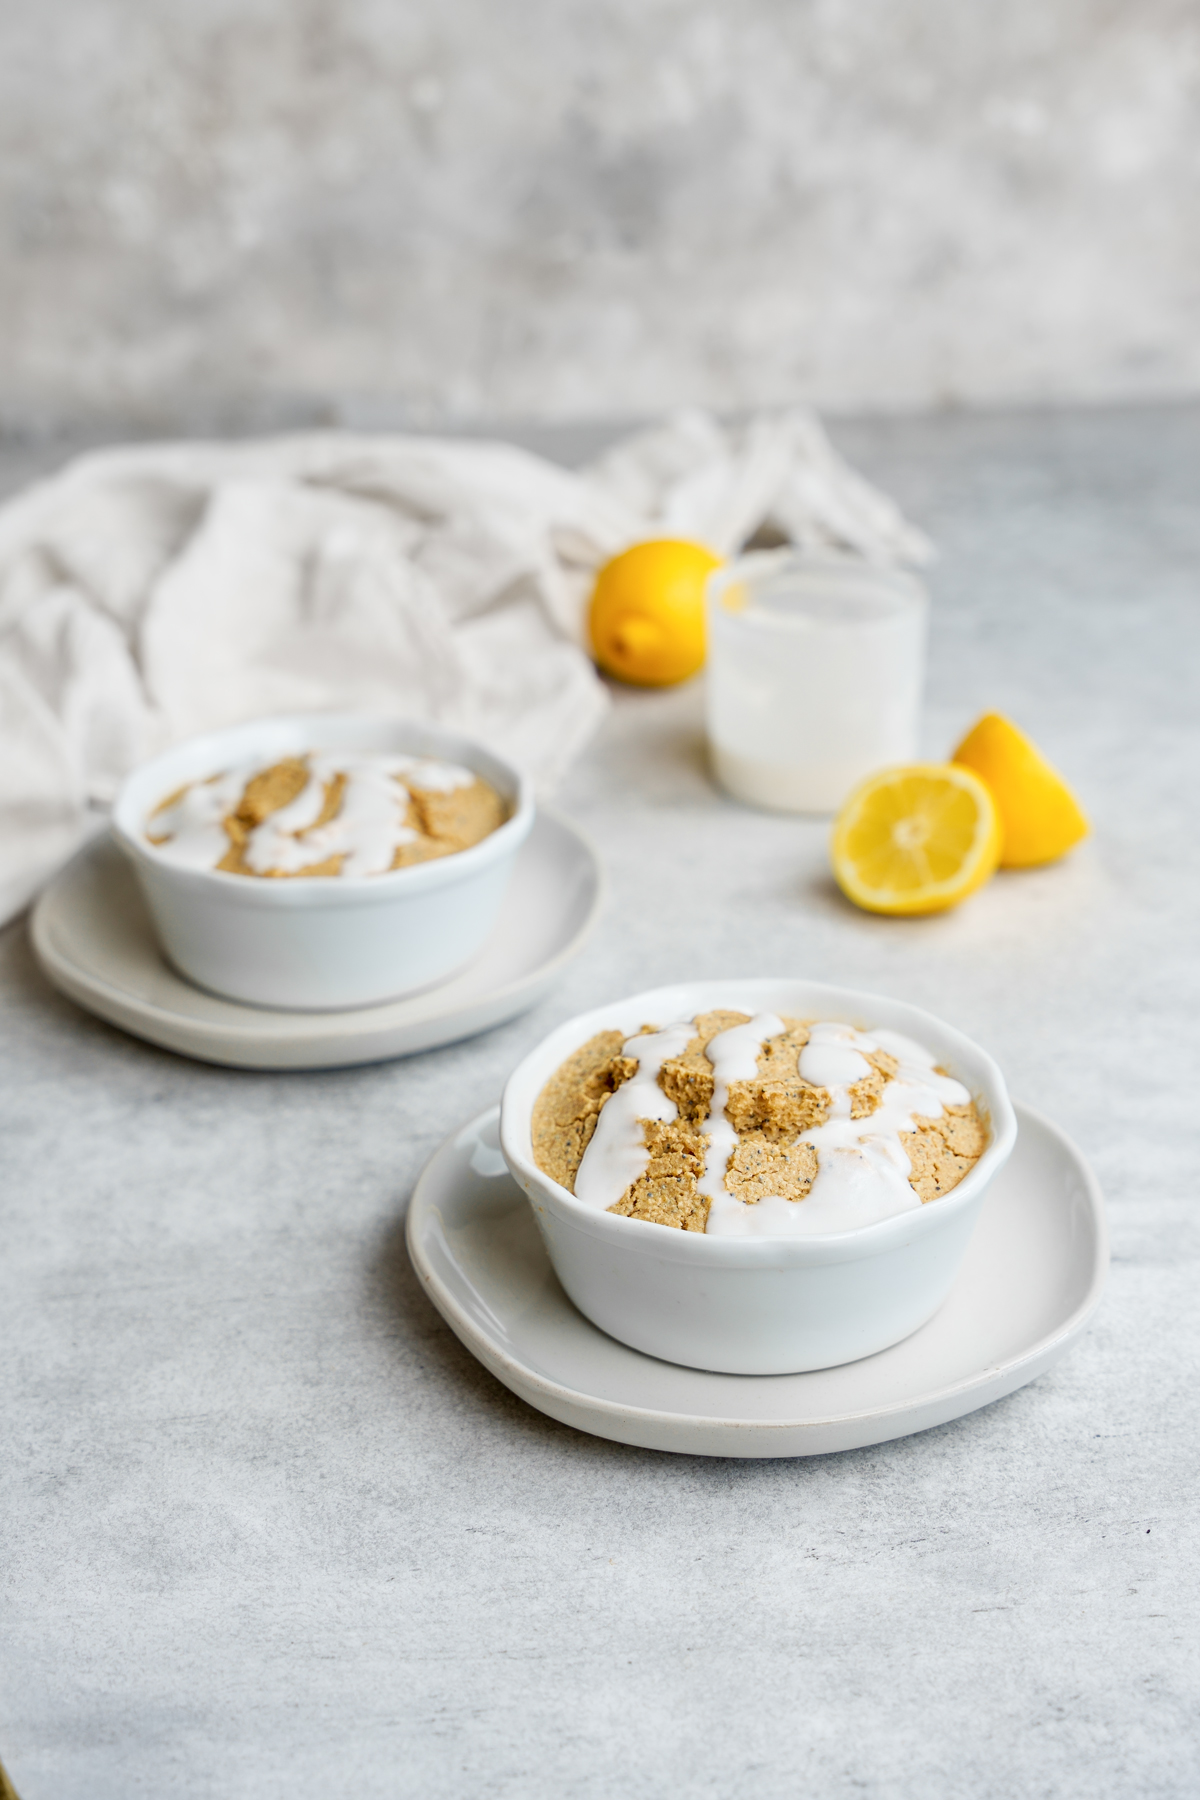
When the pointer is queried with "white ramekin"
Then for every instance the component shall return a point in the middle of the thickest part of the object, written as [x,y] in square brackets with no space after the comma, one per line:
[757,1306]
[318,943]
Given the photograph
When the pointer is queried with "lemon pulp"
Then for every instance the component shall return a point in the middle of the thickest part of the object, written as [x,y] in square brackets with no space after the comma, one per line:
[916,839]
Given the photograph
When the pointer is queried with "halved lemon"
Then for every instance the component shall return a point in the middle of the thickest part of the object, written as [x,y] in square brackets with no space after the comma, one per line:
[917,839]
[1039,815]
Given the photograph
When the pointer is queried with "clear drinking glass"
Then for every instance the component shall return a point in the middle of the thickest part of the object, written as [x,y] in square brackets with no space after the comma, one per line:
[814,676]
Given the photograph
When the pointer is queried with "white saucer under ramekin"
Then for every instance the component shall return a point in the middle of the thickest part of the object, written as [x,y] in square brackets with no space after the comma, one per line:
[94,941]
[1032,1276]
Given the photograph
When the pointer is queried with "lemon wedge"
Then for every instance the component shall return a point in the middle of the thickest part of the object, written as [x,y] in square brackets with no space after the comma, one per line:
[647,612]
[917,839]
[1039,815]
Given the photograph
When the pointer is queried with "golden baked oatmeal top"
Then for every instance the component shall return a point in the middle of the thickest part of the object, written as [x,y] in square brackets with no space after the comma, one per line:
[764,1125]
[328,812]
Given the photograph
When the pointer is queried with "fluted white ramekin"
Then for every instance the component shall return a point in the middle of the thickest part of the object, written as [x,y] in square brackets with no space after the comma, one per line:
[320,943]
[757,1305]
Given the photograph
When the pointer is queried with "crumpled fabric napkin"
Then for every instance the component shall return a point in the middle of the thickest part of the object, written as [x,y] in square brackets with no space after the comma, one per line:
[153,592]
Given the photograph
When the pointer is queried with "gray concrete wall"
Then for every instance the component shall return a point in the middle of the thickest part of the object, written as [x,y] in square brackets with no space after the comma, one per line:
[245,212]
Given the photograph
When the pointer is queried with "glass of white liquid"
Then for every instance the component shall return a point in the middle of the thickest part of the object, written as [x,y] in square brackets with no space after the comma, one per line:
[814,676]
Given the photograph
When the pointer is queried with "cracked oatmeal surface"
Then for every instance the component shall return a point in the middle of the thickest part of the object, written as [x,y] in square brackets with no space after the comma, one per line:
[430,821]
[770,1112]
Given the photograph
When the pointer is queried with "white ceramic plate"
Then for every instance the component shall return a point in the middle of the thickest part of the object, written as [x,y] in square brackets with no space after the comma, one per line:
[92,937]
[1031,1279]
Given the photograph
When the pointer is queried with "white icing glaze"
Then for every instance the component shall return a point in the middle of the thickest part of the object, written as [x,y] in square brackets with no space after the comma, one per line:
[734,1057]
[366,832]
[617,1155]
[862,1167]
[437,777]
[192,824]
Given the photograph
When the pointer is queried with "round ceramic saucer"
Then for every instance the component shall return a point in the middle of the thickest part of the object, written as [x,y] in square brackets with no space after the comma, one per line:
[93,939]
[1031,1279]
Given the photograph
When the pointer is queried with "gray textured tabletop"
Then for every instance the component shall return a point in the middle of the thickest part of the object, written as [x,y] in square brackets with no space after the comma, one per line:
[268,1529]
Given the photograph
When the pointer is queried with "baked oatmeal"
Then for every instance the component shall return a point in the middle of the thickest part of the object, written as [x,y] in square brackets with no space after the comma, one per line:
[733,1124]
[329,812]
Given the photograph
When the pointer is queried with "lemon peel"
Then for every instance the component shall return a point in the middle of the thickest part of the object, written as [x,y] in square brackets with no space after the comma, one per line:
[1039,815]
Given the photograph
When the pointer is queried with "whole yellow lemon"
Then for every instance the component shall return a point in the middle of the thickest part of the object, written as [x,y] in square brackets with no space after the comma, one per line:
[647,612]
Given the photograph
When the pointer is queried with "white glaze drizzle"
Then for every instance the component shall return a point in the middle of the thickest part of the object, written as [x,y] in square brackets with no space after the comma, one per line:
[192,825]
[734,1057]
[831,1062]
[430,777]
[617,1154]
[862,1166]
[366,832]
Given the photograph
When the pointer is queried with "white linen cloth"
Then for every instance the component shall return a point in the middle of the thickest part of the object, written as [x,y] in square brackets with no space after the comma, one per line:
[153,592]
